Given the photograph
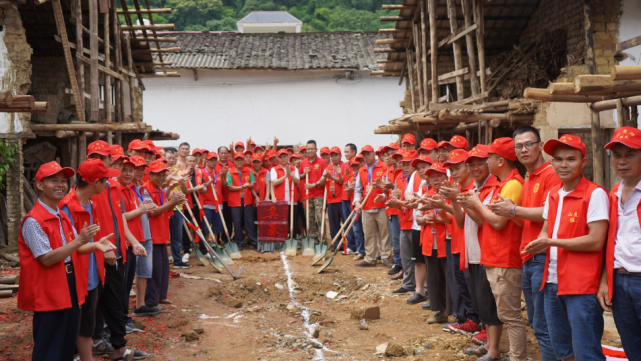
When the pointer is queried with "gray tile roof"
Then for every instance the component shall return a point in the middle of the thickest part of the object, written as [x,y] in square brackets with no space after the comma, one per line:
[330,50]
[269,17]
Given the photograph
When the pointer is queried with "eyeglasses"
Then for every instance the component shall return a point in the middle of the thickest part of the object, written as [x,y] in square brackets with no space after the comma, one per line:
[527,145]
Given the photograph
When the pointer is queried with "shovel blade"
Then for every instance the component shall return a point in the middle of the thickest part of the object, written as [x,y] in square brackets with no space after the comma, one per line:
[308,247]
[318,258]
[199,255]
[223,255]
[290,247]
[234,253]
[216,264]
[326,264]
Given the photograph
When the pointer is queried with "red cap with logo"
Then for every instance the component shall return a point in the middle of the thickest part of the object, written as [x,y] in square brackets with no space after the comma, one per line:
[399,154]
[157,166]
[51,168]
[239,155]
[391,146]
[359,156]
[295,156]
[442,144]
[137,161]
[459,142]
[324,150]
[196,151]
[239,144]
[257,157]
[117,153]
[302,148]
[248,152]
[150,145]
[98,147]
[408,155]
[281,152]
[137,144]
[436,167]
[408,138]
[422,158]
[270,154]
[504,147]
[456,156]
[367,148]
[480,151]
[335,150]
[257,148]
[93,169]
[205,151]
[354,162]
[428,144]
[251,142]
[567,139]
[212,155]
[379,151]
[627,136]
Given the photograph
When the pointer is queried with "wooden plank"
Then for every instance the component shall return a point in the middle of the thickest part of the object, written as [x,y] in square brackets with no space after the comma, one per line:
[469,42]
[62,30]
[630,43]
[391,41]
[100,67]
[453,74]
[424,26]
[94,75]
[595,131]
[480,41]
[433,47]
[462,33]
[148,27]
[473,98]
[106,27]
[145,11]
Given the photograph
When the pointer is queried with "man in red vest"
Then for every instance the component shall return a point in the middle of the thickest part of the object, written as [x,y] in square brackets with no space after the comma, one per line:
[620,277]
[334,183]
[540,180]
[375,221]
[429,147]
[355,235]
[575,229]
[211,176]
[393,171]
[54,266]
[314,166]
[240,180]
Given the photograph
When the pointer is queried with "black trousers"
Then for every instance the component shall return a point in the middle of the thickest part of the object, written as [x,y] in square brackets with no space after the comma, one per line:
[299,216]
[437,281]
[228,219]
[158,284]
[335,214]
[130,273]
[55,332]
[251,228]
[238,217]
[110,303]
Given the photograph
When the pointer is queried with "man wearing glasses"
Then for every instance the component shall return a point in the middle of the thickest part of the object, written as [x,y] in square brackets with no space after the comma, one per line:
[540,179]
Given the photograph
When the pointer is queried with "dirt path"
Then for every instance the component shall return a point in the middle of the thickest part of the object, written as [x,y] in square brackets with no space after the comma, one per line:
[270,325]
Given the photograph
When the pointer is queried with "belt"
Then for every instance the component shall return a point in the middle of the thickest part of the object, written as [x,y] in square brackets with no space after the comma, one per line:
[69,267]
[624,271]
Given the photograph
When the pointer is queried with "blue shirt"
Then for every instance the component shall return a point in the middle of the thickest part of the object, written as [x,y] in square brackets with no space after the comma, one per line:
[93,267]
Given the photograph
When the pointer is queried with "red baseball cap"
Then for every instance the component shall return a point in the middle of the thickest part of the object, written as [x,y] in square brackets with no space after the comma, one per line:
[295,156]
[408,138]
[422,158]
[436,167]
[51,168]
[251,142]
[399,154]
[157,166]
[257,157]
[117,153]
[248,152]
[480,151]
[137,161]
[239,144]
[258,147]
[205,151]
[270,153]
[158,154]
[378,151]
[137,144]
[212,155]
[503,147]
[428,144]
[335,150]
[281,152]
[290,149]
[456,156]
[196,150]
[441,144]
[391,146]
[325,150]
[354,162]
[627,136]
[239,155]
[367,148]
[302,148]
[93,169]
[459,142]
[150,145]
[567,139]
[408,155]
[98,147]
[360,155]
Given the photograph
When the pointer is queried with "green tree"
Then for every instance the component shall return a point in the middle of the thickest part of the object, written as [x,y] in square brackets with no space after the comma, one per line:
[194,12]
[226,24]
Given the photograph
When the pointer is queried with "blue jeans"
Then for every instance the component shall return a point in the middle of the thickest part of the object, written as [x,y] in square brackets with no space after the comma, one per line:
[214,221]
[176,235]
[394,235]
[359,235]
[575,324]
[347,209]
[535,303]
[626,308]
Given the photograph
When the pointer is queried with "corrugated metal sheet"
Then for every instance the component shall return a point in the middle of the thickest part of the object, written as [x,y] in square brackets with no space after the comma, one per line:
[333,50]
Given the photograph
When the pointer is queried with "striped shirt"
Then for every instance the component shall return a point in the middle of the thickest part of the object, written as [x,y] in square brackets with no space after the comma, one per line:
[36,239]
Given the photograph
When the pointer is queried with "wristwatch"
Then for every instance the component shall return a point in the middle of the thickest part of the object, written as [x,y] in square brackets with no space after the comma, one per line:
[512,211]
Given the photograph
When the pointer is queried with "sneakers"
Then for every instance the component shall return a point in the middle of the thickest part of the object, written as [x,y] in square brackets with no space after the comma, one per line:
[207,256]
[402,291]
[181,265]
[145,311]
[394,270]
[468,328]
[398,276]
[101,348]
[349,251]
[129,327]
[480,338]
[416,298]
[186,258]
[448,327]
[358,257]
[388,263]
[437,318]
[365,264]
[426,306]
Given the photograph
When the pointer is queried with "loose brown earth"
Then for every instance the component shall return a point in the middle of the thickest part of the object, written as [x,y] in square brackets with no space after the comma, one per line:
[268,327]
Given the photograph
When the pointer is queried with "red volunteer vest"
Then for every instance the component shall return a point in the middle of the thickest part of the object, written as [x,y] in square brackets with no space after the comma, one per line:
[427,233]
[337,197]
[578,273]
[45,288]
[392,174]
[405,214]
[132,203]
[260,187]
[233,198]
[104,218]
[378,172]
[346,171]
[502,248]
[159,225]
[279,190]
[208,198]
[225,190]
[458,234]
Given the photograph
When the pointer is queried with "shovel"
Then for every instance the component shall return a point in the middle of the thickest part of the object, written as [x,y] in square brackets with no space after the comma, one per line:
[338,247]
[308,244]
[211,251]
[214,263]
[319,257]
[220,250]
[230,246]
[321,247]
[291,243]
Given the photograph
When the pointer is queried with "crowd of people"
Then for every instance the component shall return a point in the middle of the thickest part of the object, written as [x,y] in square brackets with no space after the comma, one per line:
[464,233]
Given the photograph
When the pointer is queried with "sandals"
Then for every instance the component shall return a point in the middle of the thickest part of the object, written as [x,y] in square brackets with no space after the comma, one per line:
[487,357]
[472,351]
[137,355]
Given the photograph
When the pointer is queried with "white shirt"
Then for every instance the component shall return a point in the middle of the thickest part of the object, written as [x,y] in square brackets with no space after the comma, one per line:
[597,211]
[409,191]
[274,177]
[627,241]
[471,229]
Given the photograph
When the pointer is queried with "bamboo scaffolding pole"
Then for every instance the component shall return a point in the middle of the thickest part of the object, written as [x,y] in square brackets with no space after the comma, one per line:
[469,41]
[434,48]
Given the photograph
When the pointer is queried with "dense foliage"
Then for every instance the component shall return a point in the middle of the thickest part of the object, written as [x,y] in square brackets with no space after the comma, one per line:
[316,15]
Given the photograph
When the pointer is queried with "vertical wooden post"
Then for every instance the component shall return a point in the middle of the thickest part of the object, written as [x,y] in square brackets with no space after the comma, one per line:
[410,75]
[479,132]
[597,149]
[118,101]
[456,47]
[93,69]
[417,53]
[130,64]
[80,66]
[423,5]
[480,42]
[469,41]
[108,117]
[73,152]
[634,116]
[82,147]
[434,48]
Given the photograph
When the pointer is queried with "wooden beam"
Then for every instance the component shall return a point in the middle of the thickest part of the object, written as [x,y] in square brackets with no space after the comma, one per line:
[6,98]
[163,50]
[386,72]
[90,127]
[148,27]
[397,18]
[38,107]
[100,67]
[168,74]
[391,41]
[156,63]
[480,41]
[603,84]
[625,72]
[462,33]
[387,50]
[107,36]
[424,52]
[394,31]
[624,45]
[544,95]
[94,74]
[145,11]
[469,42]
[417,54]
[561,89]
[595,130]
[473,98]
[84,50]
[19,101]
[433,47]
[611,104]
[453,74]
[397,7]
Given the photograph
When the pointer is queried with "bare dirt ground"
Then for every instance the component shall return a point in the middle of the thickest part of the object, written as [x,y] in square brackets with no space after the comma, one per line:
[273,324]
